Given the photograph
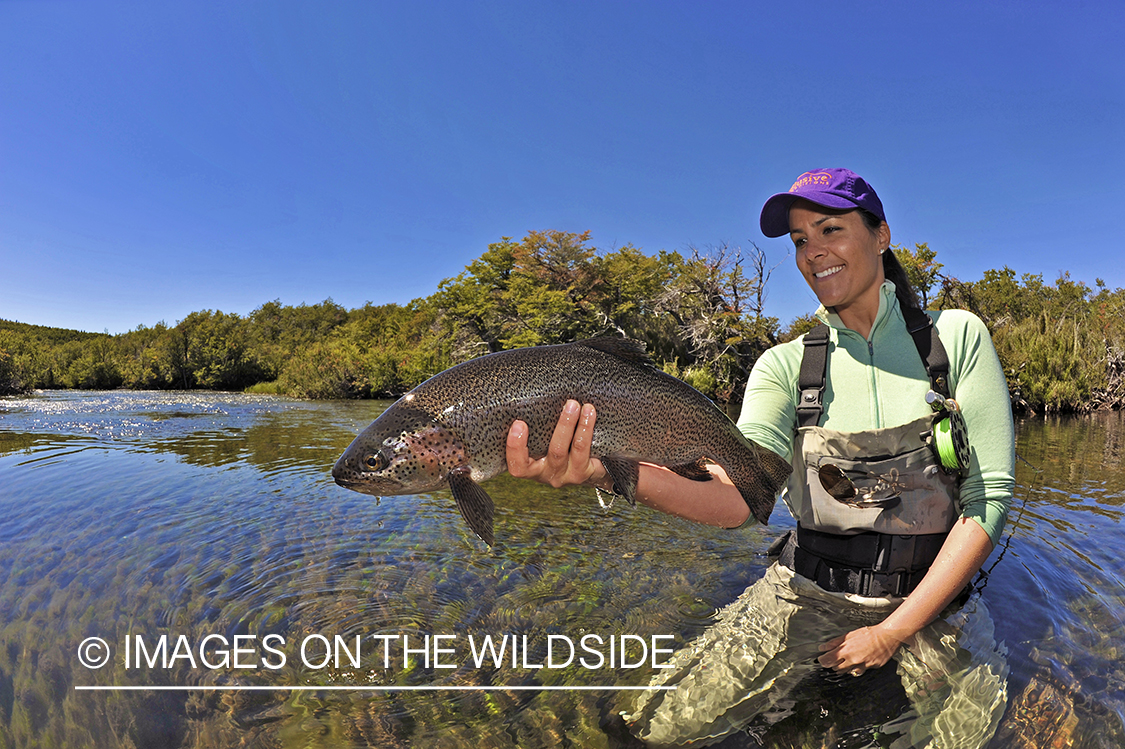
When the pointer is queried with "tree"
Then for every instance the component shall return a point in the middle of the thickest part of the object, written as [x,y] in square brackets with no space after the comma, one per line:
[922,269]
[473,304]
[547,288]
[631,284]
[146,361]
[219,356]
[276,331]
[718,310]
[13,380]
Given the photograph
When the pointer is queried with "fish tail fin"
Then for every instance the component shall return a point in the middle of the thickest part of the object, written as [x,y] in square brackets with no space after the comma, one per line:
[760,479]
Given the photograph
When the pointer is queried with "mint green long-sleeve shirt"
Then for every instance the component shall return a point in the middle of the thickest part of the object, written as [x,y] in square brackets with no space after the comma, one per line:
[881,382]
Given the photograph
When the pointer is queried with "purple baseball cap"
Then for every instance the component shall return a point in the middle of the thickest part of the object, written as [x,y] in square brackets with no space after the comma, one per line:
[831,188]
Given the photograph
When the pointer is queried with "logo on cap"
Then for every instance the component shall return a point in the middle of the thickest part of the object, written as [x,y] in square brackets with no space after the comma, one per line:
[811,178]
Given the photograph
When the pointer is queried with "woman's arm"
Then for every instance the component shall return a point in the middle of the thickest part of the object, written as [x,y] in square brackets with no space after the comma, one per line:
[979,386]
[568,462]
[986,494]
[964,551]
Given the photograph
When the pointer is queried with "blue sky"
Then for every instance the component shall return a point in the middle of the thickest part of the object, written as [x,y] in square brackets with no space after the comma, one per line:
[161,158]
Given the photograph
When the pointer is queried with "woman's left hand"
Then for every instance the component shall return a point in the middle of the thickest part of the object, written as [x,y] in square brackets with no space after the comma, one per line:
[962,554]
[860,650]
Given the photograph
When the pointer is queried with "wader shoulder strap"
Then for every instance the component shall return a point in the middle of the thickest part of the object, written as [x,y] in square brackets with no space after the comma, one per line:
[925,335]
[810,382]
[814,363]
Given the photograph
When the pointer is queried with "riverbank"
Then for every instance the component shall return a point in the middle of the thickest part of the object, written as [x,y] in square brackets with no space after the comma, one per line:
[1062,345]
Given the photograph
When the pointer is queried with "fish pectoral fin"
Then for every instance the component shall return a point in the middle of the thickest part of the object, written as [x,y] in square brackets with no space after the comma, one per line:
[624,472]
[696,471]
[474,503]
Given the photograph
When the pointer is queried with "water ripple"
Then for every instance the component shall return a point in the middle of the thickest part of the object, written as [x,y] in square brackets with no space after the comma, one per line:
[195,514]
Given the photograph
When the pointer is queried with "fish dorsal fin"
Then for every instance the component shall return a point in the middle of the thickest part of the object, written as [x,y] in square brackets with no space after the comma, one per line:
[623,348]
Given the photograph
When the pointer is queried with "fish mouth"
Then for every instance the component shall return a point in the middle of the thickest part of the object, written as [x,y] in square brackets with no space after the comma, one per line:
[371,484]
[346,473]
[358,485]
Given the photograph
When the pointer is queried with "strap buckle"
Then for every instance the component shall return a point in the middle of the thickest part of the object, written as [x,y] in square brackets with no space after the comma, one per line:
[877,584]
[811,398]
[894,553]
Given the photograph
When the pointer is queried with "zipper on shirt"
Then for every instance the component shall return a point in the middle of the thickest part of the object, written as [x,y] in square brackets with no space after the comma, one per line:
[876,407]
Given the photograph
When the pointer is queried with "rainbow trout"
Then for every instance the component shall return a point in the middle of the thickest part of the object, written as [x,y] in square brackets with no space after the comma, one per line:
[452,429]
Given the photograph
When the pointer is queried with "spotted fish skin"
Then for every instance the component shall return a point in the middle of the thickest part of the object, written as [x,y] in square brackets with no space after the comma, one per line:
[452,429]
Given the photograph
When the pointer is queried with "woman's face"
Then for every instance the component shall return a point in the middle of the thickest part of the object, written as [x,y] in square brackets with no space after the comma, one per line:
[839,256]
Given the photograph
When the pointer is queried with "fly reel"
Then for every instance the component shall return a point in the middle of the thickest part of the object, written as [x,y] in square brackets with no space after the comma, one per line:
[949,437]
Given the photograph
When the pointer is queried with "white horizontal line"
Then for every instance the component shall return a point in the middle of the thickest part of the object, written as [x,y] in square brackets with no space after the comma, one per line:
[358,688]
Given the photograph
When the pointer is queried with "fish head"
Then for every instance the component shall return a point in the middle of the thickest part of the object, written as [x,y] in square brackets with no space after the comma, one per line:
[404,451]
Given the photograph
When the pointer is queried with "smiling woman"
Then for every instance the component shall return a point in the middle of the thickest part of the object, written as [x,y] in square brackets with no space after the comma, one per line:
[840,258]
[862,583]
[859,582]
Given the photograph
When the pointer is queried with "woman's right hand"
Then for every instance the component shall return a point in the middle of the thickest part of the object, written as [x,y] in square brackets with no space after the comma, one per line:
[568,462]
[568,458]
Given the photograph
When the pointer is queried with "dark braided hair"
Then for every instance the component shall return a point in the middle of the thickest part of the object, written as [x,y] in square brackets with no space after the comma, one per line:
[892,268]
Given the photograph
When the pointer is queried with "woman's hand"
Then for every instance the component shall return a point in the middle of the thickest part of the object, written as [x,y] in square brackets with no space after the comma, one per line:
[860,649]
[568,462]
[962,554]
[568,458]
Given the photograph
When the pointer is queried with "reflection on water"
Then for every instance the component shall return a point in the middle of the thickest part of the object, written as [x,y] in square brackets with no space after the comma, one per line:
[191,515]
[1063,580]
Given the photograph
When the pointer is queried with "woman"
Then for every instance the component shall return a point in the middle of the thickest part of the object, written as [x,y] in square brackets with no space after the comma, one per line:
[890,531]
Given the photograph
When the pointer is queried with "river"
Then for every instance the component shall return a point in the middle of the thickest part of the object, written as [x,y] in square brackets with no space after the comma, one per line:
[188,557]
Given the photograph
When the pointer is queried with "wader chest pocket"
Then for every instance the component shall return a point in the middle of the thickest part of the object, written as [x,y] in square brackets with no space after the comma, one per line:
[912,478]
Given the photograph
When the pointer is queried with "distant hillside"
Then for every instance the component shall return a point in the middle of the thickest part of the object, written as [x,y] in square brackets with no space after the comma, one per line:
[50,335]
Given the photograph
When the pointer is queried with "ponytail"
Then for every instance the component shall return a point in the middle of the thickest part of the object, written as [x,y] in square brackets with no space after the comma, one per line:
[896,274]
[892,268]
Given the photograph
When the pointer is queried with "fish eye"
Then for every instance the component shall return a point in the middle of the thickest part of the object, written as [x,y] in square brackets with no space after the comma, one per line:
[376,461]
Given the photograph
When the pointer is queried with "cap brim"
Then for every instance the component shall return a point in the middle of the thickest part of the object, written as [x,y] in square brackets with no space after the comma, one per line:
[775,213]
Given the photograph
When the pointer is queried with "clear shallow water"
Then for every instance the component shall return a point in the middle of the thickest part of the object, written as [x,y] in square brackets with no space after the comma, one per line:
[192,515]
